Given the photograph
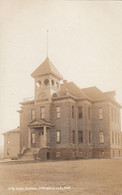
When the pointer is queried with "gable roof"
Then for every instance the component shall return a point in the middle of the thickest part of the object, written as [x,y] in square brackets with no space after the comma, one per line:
[46,68]
[11,131]
[39,123]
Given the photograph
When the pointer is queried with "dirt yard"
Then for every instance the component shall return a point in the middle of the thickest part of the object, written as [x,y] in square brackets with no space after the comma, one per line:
[93,177]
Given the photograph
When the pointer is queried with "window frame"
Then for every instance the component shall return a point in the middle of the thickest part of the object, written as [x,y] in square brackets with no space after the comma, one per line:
[73,136]
[89,112]
[80,137]
[100,113]
[80,112]
[33,138]
[42,112]
[89,137]
[73,111]
[33,115]
[58,137]
[101,137]
[58,112]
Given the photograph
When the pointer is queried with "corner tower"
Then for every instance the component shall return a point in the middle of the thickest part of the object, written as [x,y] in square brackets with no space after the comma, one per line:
[47,81]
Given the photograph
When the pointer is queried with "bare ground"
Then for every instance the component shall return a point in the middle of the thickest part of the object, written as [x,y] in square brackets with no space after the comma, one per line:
[85,177]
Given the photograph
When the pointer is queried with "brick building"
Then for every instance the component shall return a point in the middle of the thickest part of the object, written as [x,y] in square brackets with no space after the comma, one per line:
[66,122]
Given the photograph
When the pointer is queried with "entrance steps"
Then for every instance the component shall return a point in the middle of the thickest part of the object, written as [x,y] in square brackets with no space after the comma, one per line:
[27,155]
[30,154]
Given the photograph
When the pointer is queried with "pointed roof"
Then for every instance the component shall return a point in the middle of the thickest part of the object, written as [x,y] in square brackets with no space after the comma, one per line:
[46,68]
[39,123]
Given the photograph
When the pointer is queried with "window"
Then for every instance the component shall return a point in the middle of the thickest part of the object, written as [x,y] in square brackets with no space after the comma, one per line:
[38,84]
[58,110]
[112,137]
[100,113]
[33,138]
[33,114]
[52,82]
[117,116]
[58,136]
[8,151]
[41,133]
[8,141]
[57,84]
[112,114]
[80,113]
[42,112]
[101,137]
[89,113]
[73,137]
[113,153]
[58,154]
[118,139]
[46,82]
[80,136]
[73,112]
[89,136]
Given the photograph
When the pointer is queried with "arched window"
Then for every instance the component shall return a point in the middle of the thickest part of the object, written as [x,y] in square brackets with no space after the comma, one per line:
[46,82]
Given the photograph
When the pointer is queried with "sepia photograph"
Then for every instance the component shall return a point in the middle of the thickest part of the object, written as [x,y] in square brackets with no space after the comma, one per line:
[60,97]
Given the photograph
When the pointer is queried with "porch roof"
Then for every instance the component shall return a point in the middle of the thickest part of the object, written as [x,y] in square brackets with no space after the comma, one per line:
[39,123]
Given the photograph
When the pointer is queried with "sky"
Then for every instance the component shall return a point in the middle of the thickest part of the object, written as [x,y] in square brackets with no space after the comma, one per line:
[84,44]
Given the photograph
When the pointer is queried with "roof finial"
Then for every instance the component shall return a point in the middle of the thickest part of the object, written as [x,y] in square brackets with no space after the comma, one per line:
[47,43]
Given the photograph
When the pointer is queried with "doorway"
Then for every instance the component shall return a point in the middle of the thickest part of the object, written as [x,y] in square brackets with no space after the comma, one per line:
[48,155]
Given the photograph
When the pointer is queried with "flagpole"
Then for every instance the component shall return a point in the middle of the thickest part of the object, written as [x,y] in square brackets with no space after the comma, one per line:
[47,43]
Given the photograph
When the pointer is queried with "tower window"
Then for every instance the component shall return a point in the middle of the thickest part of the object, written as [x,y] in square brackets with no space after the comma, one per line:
[42,112]
[52,82]
[57,84]
[46,82]
[38,84]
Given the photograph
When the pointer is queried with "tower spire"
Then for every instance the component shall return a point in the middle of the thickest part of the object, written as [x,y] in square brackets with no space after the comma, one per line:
[47,43]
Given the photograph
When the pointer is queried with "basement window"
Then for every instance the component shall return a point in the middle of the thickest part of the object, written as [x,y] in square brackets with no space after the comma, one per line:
[58,154]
